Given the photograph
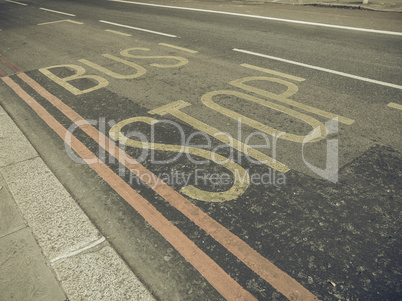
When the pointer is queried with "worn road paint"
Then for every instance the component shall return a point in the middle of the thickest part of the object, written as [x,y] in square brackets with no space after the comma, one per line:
[178,48]
[57,12]
[395,105]
[67,20]
[318,128]
[139,69]
[3,72]
[181,60]
[80,71]
[140,29]
[10,65]
[292,89]
[118,32]
[273,72]
[174,110]
[242,179]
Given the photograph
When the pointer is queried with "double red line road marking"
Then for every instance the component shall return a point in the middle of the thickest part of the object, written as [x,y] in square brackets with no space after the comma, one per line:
[211,271]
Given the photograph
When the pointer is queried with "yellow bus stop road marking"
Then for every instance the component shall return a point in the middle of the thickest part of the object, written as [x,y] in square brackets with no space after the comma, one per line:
[67,20]
[269,71]
[395,105]
[118,32]
[179,48]
[222,282]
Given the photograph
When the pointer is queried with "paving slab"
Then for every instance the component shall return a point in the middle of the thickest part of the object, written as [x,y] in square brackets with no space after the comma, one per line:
[24,274]
[10,216]
[99,275]
[56,220]
[13,145]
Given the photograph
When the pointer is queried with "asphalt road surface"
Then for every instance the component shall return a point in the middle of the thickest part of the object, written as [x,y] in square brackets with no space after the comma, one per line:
[226,156]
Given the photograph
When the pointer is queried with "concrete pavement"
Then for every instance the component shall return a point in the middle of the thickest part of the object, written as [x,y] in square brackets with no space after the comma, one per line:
[49,249]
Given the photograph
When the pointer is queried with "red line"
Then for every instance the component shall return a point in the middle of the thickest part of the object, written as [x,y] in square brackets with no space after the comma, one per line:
[212,272]
[3,73]
[10,65]
[280,280]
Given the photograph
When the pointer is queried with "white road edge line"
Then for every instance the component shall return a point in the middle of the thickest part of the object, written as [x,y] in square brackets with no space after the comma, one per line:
[17,2]
[140,29]
[265,18]
[321,69]
[91,245]
[57,12]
